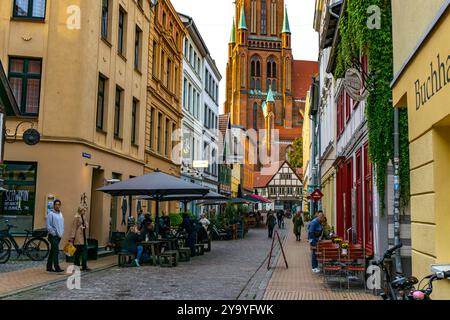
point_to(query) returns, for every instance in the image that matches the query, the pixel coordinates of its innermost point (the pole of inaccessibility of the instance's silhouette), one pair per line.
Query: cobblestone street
(224, 273)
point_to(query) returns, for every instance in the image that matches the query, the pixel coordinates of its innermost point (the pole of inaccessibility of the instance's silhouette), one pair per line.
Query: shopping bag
(70, 249)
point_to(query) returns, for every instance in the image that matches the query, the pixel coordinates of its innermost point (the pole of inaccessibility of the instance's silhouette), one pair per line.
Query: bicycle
(35, 247)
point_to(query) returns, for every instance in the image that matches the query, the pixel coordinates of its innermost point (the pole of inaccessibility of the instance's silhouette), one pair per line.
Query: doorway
(96, 207)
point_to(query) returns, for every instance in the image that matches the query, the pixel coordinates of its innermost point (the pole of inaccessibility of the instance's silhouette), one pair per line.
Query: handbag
(69, 249)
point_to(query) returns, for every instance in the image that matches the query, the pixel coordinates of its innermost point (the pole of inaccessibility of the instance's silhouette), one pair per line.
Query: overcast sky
(214, 17)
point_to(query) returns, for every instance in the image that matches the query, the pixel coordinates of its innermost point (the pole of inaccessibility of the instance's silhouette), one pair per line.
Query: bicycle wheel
(5, 251)
(37, 249)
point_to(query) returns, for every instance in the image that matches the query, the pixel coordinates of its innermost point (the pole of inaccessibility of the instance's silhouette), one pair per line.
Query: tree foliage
(296, 154)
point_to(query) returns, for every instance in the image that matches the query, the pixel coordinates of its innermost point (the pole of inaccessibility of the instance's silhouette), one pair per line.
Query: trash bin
(92, 249)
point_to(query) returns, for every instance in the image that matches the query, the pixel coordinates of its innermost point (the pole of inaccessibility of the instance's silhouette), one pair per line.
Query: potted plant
(344, 247)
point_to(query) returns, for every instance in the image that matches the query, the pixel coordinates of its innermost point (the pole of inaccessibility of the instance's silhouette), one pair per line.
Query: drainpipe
(398, 261)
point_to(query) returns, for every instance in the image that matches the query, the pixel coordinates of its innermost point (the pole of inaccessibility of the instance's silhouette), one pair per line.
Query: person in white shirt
(55, 228)
(204, 221)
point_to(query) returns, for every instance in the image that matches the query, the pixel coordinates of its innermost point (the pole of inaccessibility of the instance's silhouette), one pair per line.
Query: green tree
(296, 154)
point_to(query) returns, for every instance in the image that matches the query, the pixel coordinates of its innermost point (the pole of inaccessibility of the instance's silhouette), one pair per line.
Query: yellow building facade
(78, 70)
(163, 117)
(422, 84)
(306, 150)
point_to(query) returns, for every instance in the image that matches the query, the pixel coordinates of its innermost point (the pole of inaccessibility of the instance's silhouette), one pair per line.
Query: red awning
(259, 198)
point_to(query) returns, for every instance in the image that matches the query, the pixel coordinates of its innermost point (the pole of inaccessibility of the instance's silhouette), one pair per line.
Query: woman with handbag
(78, 238)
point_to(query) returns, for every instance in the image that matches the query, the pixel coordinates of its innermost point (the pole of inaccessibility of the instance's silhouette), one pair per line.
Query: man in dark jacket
(271, 222)
(315, 230)
(189, 227)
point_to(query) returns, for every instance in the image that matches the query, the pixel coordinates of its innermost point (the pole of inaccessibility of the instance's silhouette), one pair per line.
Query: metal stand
(271, 250)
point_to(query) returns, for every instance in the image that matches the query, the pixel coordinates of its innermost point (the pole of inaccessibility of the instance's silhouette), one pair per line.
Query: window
(137, 49)
(160, 138)
(134, 119)
(190, 98)
(197, 107)
(174, 128)
(167, 137)
(186, 48)
(161, 66)
(273, 18)
(263, 17)
(32, 9)
(101, 102)
(105, 18)
(164, 20)
(122, 33)
(168, 74)
(18, 201)
(271, 74)
(155, 48)
(255, 74)
(152, 128)
(253, 16)
(118, 113)
(348, 105)
(185, 94)
(25, 81)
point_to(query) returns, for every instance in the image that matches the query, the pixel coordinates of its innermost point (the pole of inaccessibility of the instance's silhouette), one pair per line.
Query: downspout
(398, 260)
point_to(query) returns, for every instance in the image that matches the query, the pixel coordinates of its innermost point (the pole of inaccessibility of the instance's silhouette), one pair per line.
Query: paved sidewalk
(26, 279)
(298, 282)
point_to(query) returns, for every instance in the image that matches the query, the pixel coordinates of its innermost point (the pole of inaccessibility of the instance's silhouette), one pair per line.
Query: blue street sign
(86, 155)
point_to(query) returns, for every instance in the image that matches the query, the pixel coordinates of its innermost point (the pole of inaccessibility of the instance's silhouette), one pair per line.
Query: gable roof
(303, 72)
(262, 181)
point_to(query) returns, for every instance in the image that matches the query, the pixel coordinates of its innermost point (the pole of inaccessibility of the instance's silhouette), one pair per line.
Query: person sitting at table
(147, 219)
(188, 226)
(132, 240)
(164, 225)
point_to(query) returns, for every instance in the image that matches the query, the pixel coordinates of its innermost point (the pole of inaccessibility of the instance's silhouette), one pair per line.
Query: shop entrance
(96, 207)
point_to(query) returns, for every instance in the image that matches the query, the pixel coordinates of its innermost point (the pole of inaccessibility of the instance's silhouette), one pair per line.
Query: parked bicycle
(34, 247)
(403, 288)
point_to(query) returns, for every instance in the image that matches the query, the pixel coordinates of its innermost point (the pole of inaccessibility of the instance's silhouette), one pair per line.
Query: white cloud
(214, 17)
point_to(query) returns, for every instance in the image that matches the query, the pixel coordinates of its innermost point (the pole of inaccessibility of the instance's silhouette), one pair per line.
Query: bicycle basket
(42, 233)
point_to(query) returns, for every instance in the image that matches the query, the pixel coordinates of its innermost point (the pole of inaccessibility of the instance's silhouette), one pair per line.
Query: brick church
(263, 81)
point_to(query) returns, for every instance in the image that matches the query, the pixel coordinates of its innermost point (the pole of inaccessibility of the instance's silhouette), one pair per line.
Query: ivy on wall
(357, 39)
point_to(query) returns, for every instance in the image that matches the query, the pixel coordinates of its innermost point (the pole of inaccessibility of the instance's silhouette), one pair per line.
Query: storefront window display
(17, 203)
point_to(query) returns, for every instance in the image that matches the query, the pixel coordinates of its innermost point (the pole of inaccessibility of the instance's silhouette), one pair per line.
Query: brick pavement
(298, 282)
(26, 279)
(219, 274)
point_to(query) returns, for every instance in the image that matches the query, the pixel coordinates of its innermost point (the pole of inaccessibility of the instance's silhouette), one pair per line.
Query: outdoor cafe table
(171, 243)
(155, 248)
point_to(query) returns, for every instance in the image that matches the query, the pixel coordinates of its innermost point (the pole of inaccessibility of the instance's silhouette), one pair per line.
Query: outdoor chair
(332, 265)
(319, 249)
(355, 265)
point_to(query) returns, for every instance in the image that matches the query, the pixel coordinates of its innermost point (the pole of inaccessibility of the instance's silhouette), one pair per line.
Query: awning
(257, 198)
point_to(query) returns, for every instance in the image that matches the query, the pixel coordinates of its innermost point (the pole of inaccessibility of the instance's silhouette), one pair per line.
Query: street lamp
(153, 3)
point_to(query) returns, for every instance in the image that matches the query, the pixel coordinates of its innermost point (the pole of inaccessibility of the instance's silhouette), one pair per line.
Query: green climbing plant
(357, 39)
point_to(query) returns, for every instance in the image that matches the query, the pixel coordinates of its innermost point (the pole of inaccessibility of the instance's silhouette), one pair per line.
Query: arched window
(271, 73)
(255, 73)
(273, 17)
(263, 17)
(255, 115)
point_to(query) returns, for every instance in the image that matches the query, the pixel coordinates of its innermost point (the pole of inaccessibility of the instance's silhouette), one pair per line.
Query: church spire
(233, 33)
(286, 27)
(242, 21)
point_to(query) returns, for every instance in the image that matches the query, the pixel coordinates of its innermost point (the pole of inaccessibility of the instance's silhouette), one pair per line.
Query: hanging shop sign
(354, 85)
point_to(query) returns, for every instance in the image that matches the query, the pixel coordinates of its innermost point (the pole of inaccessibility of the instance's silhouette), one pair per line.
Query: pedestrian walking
(315, 230)
(298, 224)
(280, 217)
(78, 238)
(55, 228)
(270, 223)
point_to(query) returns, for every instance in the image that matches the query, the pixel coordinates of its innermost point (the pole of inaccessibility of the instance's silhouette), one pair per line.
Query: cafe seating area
(342, 264)
(163, 252)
